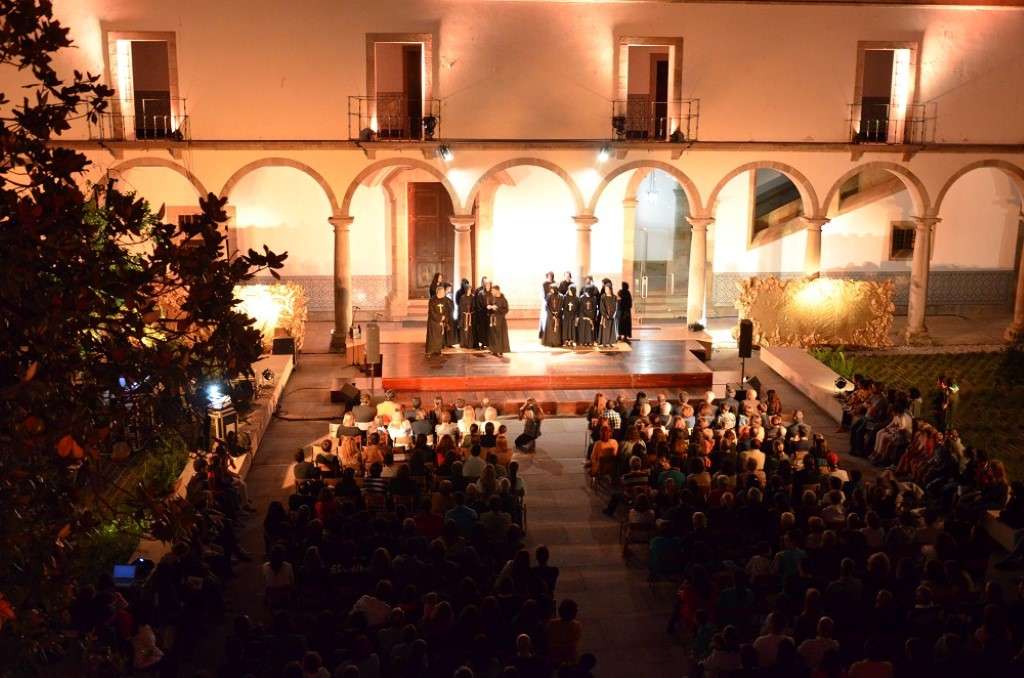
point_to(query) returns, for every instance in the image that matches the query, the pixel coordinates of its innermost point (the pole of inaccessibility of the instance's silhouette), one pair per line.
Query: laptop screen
(124, 572)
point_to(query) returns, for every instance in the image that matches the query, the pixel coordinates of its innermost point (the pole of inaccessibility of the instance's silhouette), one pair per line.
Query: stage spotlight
(445, 152)
(604, 153)
(841, 383)
(216, 398)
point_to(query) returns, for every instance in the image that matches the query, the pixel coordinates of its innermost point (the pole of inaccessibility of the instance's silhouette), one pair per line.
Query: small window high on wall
(143, 70)
(884, 108)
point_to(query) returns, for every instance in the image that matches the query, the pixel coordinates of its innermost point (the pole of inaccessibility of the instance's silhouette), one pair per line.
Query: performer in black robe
(497, 325)
(625, 313)
(589, 287)
(481, 299)
(587, 321)
(563, 286)
(435, 282)
(549, 280)
(553, 326)
(570, 314)
(464, 308)
(606, 325)
(439, 322)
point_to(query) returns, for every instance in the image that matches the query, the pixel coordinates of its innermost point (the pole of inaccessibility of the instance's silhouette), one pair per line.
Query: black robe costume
(564, 286)
(606, 328)
(587, 322)
(545, 291)
(481, 299)
(553, 326)
(497, 326)
(440, 333)
(570, 312)
(466, 326)
(625, 314)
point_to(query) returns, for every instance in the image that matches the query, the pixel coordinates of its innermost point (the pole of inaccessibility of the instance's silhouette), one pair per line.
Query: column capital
(341, 223)
(815, 223)
(630, 202)
(462, 222)
(584, 221)
(926, 222)
(700, 223)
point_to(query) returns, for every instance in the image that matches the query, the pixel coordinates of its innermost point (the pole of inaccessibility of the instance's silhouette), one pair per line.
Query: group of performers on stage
(592, 317)
(476, 318)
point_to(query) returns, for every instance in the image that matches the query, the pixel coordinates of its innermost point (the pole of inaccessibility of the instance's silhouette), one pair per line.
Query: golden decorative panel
(818, 311)
(278, 309)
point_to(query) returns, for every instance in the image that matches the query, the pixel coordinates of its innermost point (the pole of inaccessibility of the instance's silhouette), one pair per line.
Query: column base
(338, 342)
(918, 337)
(1014, 333)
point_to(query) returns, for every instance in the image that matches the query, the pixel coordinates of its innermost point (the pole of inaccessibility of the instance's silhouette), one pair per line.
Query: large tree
(110, 323)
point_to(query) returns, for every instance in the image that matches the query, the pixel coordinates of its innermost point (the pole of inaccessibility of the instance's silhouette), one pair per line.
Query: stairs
(659, 307)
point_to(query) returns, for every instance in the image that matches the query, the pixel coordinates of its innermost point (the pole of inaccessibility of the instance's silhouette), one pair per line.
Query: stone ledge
(807, 375)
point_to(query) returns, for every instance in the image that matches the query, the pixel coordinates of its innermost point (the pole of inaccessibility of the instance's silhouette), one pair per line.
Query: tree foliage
(110, 322)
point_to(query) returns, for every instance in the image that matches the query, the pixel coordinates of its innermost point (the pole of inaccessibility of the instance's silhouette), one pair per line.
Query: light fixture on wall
(604, 153)
(445, 152)
(651, 195)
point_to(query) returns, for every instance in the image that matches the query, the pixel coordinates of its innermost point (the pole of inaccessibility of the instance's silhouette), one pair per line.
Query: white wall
(159, 186)
(732, 232)
(859, 240)
(980, 221)
(258, 69)
(533, 233)
(287, 211)
(606, 236)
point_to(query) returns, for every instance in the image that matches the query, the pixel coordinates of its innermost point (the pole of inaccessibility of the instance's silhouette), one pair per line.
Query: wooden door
(431, 237)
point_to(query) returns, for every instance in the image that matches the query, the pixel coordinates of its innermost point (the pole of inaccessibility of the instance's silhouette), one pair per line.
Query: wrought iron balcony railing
(142, 119)
(393, 117)
(886, 123)
(641, 119)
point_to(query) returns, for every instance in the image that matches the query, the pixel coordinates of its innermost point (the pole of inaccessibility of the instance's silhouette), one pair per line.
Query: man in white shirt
(813, 650)
(767, 646)
(754, 453)
(474, 465)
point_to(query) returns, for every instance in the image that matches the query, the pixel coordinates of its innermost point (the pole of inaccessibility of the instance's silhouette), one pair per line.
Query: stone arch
(399, 163)
(1015, 173)
(690, 188)
(281, 162)
(918, 193)
(160, 162)
(533, 162)
(807, 194)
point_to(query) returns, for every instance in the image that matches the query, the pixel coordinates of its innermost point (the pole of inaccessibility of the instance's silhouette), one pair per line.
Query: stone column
(485, 232)
(342, 283)
(628, 238)
(917, 332)
(812, 257)
(463, 224)
(1015, 332)
(584, 222)
(695, 288)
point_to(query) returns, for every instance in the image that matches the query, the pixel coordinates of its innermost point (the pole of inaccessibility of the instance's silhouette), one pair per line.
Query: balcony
(142, 120)
(640, 119)
(886, 123)
(393, 117)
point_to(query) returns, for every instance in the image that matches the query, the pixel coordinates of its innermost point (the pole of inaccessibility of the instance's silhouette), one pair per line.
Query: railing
(393, 117)
(142, 119)
(640, 119)
(885, 123)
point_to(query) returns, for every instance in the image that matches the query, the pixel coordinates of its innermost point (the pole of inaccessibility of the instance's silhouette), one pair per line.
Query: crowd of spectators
(410, 565)
(791, 565)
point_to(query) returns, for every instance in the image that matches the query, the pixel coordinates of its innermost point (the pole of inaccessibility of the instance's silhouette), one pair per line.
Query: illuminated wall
(533, 233)
(557, 57)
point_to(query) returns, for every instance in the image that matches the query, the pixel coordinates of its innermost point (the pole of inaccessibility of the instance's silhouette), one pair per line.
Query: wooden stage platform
(651, 364)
